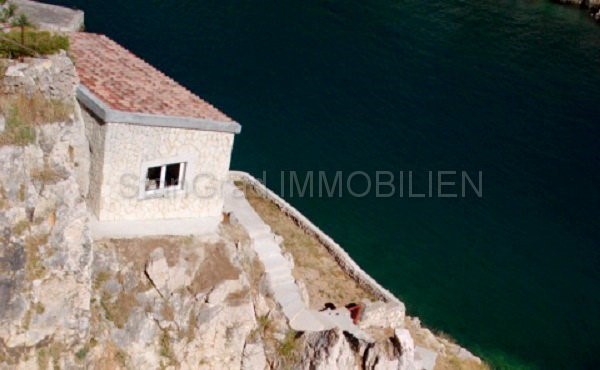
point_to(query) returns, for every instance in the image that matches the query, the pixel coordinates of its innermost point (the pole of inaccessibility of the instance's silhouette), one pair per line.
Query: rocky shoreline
(591, 6)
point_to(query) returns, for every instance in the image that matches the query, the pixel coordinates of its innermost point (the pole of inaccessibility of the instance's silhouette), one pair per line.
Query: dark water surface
(511, 88)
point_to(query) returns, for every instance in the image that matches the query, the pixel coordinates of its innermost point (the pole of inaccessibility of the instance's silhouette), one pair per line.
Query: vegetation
(34, 267)
(26, 41)
(82, 353)
(20, 227)
(16, 132)
(118, 310)
(287, 347)
(42, 359)
(23, 113)
(3, 198)
(166, 350)
(22, 21)
(29, 42)
(39, 308)
(8, 12)
(46, 175)
(101, 278)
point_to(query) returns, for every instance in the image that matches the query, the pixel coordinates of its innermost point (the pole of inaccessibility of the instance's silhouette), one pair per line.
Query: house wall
(128, 147)
(95, 131)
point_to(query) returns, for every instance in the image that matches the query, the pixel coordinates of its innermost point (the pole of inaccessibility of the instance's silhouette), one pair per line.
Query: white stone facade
(121, 154)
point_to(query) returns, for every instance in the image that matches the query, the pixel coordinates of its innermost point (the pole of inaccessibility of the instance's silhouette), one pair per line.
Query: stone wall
(95, 132)
(126, 147)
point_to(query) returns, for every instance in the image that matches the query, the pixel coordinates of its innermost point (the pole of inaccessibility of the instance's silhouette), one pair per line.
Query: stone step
(288, 298)
(283, 289)
(265, 238)
(292, 309)
(279, 279)
(276, 262)
(266, 248)
(306, 320)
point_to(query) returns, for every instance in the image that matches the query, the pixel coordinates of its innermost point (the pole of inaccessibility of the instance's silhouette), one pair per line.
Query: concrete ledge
(51, 17)
(135, 228)
(107, 114)
(337, 252)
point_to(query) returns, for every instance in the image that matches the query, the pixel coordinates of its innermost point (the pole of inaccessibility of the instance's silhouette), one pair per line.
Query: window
(159, 179)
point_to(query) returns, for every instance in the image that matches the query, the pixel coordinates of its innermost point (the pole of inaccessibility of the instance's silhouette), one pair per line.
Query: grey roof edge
(107, 114)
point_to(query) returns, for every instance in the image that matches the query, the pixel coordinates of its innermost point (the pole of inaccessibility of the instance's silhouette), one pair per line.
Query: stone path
(279, 272)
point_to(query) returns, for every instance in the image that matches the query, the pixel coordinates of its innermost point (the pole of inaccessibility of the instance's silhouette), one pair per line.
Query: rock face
(54, 77)
(339, 350)
(173, 301)
(46, 255)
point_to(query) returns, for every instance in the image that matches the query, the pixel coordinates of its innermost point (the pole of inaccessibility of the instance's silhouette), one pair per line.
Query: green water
(509, 88)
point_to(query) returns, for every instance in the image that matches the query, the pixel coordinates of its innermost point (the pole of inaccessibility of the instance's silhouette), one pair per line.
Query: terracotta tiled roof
(126, 83)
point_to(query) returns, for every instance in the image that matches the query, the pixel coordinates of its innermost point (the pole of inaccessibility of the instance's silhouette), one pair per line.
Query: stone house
(157, 150)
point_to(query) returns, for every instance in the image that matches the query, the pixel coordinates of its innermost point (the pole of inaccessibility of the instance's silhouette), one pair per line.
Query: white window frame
(162, 189)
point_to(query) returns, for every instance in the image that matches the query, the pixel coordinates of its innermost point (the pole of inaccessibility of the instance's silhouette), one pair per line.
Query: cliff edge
(196, 302)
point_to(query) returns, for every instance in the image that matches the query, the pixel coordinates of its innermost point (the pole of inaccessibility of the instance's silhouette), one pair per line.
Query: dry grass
(39, 308)
(118, 310)
(138, 250)
(166, 350)
(238, 297)
(324, 278)
(21, 195)
(46, 175)
(42, 359)
(23, 113)
(447, 360)
(3, 198)
(3, 66)
(20, 227)
(167, 312)
(101, 278)
(215, 268)
(112, 358)
(34, 267)
(50, 354)
(190, 333)
(453, 362)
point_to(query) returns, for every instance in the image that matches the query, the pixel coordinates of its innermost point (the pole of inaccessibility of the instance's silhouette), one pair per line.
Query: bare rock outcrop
(335, 349)
(178, 302)
(46, 256)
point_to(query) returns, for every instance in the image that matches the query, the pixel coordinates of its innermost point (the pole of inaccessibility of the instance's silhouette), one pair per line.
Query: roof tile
(127, 83)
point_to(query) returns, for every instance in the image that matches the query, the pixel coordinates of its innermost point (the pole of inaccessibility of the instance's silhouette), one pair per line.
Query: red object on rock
(356, 311)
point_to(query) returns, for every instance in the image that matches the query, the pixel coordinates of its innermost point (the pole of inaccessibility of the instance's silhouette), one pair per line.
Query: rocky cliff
(46, 251)
(67, 301)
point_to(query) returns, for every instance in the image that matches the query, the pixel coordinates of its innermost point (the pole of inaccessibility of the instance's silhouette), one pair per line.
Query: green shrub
(82, 353)
(40, 42)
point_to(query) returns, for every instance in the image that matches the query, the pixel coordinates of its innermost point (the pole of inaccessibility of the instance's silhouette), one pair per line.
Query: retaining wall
(336, 251)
